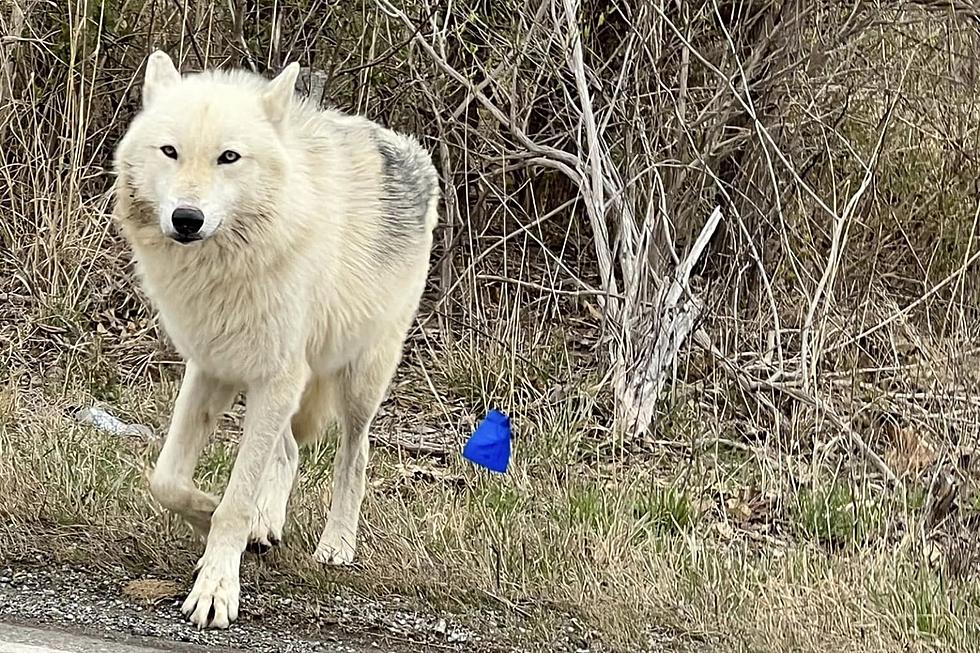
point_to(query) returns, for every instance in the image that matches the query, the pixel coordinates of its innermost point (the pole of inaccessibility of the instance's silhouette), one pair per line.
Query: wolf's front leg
(213, 601)
(201, 401)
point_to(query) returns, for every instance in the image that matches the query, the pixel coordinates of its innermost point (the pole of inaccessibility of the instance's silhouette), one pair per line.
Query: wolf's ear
(160, 73)
(279, 94)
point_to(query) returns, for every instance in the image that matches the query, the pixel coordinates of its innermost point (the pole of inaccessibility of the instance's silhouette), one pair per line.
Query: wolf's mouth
(186, 239)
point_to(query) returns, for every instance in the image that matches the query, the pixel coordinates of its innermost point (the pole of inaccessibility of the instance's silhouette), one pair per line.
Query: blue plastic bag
(489, 446)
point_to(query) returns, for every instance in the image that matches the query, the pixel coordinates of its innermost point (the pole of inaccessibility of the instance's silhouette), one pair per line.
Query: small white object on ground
(109, 423)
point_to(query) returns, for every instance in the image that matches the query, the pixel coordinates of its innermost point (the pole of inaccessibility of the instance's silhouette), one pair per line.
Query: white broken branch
(313, 84)
(641, 381)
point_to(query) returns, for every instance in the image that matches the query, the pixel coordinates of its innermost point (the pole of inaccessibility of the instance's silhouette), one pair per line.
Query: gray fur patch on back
(408, 184)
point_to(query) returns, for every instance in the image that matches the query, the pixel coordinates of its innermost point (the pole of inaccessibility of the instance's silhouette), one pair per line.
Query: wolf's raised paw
(265, 533)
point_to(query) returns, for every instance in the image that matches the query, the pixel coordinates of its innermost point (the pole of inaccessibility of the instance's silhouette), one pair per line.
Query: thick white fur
(300, 294)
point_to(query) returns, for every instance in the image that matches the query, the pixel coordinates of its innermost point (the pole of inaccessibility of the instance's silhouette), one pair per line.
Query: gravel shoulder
(18, 638)
(145, 612)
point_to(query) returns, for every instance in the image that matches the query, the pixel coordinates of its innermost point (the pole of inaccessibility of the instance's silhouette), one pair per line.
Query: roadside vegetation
(803, 475)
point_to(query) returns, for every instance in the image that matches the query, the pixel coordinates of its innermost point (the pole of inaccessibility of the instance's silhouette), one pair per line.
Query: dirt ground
(119, 607)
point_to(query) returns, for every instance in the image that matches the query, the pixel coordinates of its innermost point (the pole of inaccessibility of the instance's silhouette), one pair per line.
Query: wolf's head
(204, 158)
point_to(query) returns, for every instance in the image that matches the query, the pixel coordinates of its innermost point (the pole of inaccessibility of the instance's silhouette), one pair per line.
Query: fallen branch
(416, 443)
(744, 380)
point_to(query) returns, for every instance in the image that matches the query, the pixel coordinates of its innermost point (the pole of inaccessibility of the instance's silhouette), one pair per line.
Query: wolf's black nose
(187, 221)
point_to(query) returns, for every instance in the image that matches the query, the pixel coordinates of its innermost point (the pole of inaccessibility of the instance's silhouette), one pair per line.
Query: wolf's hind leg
(200, 402)
(362, 386)
(316, 409)
(273, 496)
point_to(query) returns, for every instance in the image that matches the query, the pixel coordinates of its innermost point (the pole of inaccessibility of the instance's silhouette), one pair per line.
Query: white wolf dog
(285, 249)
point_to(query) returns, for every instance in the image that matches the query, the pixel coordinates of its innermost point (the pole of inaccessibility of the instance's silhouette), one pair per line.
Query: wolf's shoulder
(400, 153)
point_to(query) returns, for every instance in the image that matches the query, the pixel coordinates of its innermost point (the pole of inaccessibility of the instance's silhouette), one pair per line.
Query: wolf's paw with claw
(264, 535)
(271, 505)
(213, 600)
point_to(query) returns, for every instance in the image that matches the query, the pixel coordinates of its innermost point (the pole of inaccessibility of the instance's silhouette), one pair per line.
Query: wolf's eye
(229, 156)
(169, 151)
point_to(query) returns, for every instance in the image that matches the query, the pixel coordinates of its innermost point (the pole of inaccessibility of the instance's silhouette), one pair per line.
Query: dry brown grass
(671, 549)
(757, 513)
